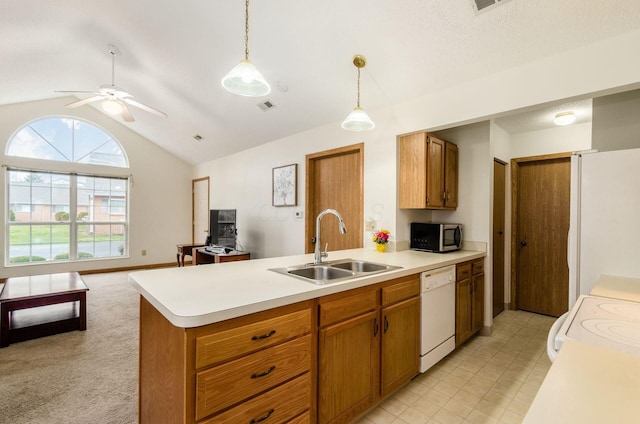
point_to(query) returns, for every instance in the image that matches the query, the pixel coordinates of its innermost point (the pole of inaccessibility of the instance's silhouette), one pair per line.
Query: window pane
(101, 240)
(66, 139)
(38, 243)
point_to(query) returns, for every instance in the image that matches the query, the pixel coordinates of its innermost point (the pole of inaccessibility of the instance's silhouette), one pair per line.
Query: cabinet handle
(263, 374)
(376, 327)
(264, 336)
(386, 324)
(262, 418)
(444, 196)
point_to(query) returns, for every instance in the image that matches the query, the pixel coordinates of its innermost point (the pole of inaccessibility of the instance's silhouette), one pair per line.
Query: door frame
(193, 203)
(505, 255)
(515, 168)
(309, 226)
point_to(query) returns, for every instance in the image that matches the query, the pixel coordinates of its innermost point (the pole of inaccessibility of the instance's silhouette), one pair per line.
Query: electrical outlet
(144, 252)
(370, 225)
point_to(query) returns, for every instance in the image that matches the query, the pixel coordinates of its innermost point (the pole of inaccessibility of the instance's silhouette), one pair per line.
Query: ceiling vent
(267, 105)
(481, 6)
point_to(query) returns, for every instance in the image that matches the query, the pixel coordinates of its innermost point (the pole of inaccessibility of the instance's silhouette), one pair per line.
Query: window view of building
(62, 216)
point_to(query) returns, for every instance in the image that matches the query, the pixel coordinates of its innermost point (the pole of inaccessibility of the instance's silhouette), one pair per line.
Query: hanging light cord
(113, 68)
(358, 103)
(246, 30)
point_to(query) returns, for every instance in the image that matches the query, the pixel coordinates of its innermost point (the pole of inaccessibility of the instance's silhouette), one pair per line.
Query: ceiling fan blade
(75, 91)
(126, 115)
(144, 107)
(85, 101)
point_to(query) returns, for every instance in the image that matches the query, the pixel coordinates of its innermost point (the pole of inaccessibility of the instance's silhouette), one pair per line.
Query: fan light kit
(245, 79)
(115, 99)
(564, 118)
(358, 120)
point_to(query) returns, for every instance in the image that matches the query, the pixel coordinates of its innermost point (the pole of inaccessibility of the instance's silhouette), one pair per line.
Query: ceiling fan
(115, 98)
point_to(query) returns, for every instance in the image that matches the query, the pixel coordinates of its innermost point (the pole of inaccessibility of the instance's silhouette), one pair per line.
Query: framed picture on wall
(285, 185)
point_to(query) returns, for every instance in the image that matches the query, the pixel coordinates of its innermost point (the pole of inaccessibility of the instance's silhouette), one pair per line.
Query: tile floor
(489, 380)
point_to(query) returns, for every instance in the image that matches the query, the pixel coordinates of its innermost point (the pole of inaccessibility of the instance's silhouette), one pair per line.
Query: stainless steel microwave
(435, 237)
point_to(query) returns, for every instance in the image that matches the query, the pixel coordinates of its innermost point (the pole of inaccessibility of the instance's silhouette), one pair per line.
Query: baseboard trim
(128, 268)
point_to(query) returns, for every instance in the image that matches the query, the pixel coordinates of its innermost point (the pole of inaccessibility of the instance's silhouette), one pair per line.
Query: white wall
(553, 140)
(615, 121)
(160, 211)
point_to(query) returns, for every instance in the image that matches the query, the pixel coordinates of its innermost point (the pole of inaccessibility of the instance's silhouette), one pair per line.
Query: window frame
(73, 170)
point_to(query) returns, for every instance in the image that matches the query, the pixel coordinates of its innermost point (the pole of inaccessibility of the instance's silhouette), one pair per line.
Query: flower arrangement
(381, 236)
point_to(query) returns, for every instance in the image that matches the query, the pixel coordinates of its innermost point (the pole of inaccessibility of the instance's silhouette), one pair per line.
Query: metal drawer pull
(265, 373)
(264, 336)
(259, 420)
(386, 324)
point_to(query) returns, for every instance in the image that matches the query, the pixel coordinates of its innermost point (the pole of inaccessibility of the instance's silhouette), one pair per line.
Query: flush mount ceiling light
(245, 79)
(358, 120)
(564, 118)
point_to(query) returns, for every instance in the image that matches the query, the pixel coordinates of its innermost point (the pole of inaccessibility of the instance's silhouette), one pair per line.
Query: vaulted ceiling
(174, 54)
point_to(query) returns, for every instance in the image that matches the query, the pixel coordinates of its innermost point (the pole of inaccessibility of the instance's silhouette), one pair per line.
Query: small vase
(381, 247)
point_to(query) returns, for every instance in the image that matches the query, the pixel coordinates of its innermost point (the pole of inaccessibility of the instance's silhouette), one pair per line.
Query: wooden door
(435, 172)
(400, 344)
(542, 189)
(199, 210)
(477, 302)
(335, 180)
(499, 181)
(451, 175)
(348, 368)
(412, 171)
(463, 310)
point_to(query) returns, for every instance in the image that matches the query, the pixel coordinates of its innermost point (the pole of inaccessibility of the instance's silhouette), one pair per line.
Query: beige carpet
(83, 376)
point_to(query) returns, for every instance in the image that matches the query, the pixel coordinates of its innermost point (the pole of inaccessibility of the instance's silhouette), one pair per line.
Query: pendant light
(358, 120)
(245, 79)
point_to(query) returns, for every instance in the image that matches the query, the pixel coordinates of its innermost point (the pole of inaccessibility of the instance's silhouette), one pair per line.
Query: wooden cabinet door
(451, 176)
(412, 171)
(348, 368)
(477, 306)
(400, 343)
(435, 173)
(463, 310)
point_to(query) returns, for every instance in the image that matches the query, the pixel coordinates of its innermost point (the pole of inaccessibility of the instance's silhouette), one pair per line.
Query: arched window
(55, 216)
(65, 139)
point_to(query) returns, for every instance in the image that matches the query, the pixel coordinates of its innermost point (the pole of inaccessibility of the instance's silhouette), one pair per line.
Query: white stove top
(610, 323)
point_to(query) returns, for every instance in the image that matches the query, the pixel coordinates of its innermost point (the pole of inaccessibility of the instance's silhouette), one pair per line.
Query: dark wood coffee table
(42, 305)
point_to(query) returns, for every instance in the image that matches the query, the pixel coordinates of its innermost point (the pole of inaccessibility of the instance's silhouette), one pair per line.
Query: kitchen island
(201, 328)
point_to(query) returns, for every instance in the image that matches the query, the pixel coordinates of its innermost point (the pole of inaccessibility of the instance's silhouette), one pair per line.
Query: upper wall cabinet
(428, 172)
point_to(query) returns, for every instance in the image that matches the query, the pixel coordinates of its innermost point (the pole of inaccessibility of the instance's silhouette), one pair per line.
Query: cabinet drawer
(404, 289)
(222, 386)
(348, 306)
(274, 407)
(477, 267)
(228, 344)
(463, 271)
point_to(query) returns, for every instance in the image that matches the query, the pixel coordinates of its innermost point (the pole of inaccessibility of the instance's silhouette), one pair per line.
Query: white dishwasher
(437, 315)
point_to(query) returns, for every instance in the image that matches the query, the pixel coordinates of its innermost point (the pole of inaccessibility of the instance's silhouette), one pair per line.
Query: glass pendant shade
(112, 107)
(358, 120)
(246, 80)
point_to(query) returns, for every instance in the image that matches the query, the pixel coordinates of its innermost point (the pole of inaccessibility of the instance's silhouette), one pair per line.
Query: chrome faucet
(318, 255)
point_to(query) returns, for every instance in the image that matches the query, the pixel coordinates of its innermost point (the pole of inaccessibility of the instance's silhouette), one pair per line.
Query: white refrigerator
(604, 233)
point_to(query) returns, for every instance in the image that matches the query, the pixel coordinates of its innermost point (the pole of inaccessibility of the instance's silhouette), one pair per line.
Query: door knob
(523, 243)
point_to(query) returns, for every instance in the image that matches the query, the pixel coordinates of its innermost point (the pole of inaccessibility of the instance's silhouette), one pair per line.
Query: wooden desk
(203, 257)
(37, 293)
(185, 250)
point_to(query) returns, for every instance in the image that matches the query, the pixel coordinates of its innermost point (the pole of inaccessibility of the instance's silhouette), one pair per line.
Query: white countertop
(200, 295)
(588, 384)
